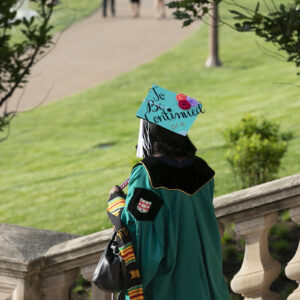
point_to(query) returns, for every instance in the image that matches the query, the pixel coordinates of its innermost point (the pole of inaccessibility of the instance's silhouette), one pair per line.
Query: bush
(256, 149)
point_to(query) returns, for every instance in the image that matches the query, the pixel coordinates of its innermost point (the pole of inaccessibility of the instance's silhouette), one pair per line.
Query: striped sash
(133, 283)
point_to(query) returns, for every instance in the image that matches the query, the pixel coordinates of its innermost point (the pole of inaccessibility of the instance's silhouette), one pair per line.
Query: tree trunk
(213, 56)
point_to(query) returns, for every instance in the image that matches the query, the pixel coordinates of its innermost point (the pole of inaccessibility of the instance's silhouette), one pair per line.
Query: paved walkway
(97, 49)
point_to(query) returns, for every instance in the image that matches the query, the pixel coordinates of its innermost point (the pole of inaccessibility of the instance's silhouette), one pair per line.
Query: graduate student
(167, 230)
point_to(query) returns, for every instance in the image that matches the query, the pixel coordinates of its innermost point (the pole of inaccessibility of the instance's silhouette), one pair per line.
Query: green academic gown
(170, 215)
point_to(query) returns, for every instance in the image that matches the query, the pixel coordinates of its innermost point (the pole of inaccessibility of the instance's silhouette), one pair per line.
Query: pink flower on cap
(184, 104)
(181, 96)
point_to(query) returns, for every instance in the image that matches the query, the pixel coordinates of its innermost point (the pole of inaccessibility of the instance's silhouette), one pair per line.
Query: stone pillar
(57, 286)
(259, 269)
(87, 273)
(292, 270)
(8, 290)
(18, 286)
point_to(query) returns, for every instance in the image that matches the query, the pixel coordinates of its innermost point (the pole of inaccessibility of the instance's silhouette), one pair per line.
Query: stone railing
(42, 265)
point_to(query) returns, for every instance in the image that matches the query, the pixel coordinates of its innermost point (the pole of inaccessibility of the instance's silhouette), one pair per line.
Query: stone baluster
(292, 270)
(87, 273)
(58, 286)
(259, 269)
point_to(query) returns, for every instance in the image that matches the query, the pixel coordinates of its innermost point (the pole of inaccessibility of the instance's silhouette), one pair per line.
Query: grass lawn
(66, 13)
(56, 175)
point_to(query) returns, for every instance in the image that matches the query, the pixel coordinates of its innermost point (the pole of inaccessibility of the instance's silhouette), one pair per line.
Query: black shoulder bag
(110, 272)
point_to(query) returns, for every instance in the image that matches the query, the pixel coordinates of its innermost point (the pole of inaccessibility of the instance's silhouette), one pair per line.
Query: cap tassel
(140, 144)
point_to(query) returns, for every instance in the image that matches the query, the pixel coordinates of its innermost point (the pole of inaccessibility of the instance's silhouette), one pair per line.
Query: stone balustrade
(39, 264)
(254, 211)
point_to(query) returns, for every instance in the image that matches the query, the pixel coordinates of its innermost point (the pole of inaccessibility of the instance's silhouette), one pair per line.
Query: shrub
(256, 149)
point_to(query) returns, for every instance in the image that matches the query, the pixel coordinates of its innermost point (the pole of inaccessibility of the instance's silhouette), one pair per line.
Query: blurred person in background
(159, 9)
(135, 8)
(112, 8)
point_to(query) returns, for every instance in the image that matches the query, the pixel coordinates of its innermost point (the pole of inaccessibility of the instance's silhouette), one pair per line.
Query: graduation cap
(175, 112)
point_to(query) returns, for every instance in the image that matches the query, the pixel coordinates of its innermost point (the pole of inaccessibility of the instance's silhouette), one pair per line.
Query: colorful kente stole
(133, 283)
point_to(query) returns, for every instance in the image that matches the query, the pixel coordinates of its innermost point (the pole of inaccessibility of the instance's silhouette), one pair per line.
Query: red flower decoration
(184, 104)
(181, 96)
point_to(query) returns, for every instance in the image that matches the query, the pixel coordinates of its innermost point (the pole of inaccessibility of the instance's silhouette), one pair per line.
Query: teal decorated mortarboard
(173, 111)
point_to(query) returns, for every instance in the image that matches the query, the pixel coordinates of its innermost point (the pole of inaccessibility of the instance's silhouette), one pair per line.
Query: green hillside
(60, 160)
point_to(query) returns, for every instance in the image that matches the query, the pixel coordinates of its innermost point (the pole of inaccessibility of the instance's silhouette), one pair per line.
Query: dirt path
(97, 49)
